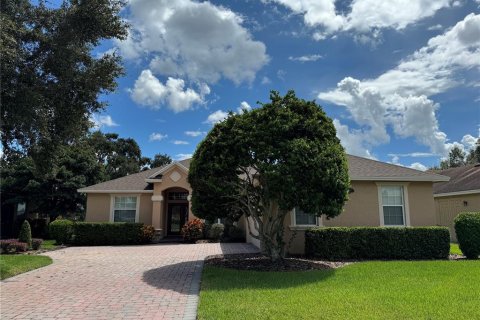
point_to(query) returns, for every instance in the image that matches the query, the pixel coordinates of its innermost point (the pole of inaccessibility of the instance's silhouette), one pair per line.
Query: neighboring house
(382, 195)
(461, 193)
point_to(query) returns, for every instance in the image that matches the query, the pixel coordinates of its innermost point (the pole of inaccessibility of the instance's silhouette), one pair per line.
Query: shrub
(206, 228)
(378, 243)
(61, 230)
(36, 243)
(6, 245)
(235, 233)
(216, 231)
(12, 246)
(25, 234)
(107, 233)
(193, 230)
(148, 232)
(467, 228)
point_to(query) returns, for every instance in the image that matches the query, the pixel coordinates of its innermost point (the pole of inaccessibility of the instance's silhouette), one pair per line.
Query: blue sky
(399, 78)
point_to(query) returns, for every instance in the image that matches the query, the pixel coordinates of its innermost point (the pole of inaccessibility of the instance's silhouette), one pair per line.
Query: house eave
(114, 191)
(456, 193)
(400, 178)
(168, 166)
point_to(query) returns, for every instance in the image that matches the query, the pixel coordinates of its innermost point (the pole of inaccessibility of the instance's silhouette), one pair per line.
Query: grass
(454, 249)
(49, 244)
(367, 290)
(11, 265)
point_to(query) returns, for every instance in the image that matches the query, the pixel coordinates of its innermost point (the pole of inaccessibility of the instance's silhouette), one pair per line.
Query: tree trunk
(271, 233)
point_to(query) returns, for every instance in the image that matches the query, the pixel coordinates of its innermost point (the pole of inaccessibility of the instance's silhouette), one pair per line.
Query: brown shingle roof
(358, 169)
(461, 179)
(366, 169)
(131, 182)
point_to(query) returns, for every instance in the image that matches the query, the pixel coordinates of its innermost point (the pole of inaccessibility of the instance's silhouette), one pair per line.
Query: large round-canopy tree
(265, 162)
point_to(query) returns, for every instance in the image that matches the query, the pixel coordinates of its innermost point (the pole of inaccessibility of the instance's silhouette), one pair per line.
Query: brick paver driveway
(128, 282)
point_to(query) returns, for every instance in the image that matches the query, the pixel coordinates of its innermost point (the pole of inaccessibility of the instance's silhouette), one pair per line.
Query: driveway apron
(121, 282)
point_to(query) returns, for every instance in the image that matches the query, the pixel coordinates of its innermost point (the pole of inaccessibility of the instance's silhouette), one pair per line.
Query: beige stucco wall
(150, 212)
(447, 208)
(99, 207)
(169, 181)
(362, 209)
(145, 214)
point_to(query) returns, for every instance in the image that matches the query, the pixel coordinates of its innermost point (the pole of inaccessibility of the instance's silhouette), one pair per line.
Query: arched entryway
(176, 209)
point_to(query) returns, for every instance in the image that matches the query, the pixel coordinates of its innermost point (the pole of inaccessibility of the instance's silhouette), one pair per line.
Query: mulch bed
(259, 262)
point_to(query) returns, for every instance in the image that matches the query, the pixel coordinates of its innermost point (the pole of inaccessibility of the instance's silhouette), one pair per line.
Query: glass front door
(177, 216)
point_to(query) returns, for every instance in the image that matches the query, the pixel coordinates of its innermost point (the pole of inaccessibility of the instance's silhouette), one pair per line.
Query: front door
(177, 216)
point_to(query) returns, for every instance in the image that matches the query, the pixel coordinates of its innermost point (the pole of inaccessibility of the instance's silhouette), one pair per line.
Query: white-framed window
(301, 218)
(124, 208)
(393, 205)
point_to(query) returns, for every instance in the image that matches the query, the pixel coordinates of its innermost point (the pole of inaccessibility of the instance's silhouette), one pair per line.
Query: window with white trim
(304, 219)
(393, 205)
(124, 208)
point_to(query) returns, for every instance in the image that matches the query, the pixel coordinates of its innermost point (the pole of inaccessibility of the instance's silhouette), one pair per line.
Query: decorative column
(157, 216)
(190, 214)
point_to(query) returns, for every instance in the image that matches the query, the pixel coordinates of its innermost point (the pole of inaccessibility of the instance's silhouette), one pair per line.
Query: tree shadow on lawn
(185, 277)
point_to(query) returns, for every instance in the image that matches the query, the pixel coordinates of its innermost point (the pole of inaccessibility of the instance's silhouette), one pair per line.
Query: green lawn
(454, 249)
(13, 264)
(49, 244)
(367, 290)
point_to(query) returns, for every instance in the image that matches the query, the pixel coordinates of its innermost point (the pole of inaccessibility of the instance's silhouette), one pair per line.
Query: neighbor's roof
(358, 169)
(463, 180)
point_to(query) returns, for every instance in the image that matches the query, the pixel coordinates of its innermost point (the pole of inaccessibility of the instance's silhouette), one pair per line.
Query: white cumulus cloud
(100, 121)
(183, 156)
(178, 142)
(364, 16)
(418, 166)
(194, 133)
(216, 117)
(149, 91)
(306, 58)
(197, 41)
(399, 98)
(244, 106)
(155, 136)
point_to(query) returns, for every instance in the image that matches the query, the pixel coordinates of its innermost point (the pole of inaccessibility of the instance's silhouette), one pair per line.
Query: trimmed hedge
(410, 243)
(107, 233)
(467, 228)
(13, 246)
(61, 231)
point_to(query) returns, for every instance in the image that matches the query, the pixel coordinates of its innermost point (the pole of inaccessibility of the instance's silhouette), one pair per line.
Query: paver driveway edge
(116, 282)
(194, 294)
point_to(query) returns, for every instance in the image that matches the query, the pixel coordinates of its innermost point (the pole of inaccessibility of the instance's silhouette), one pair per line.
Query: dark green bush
(25, 234)
(36, 243)
(107, 233)
(467, 228)
(410, 243)
(61, 231)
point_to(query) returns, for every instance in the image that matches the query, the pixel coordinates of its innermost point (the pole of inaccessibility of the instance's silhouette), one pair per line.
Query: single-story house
(382, 194)
(460, 194)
